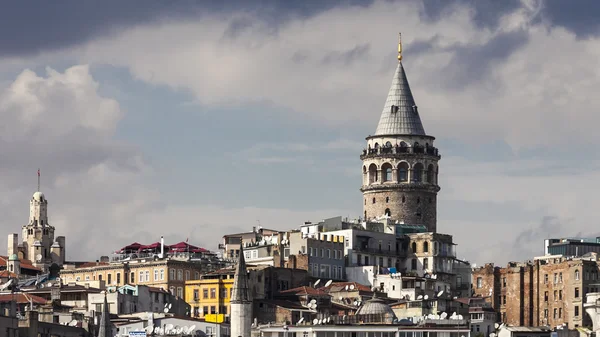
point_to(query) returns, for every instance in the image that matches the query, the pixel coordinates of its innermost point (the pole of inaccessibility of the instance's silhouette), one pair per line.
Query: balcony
(400, 151)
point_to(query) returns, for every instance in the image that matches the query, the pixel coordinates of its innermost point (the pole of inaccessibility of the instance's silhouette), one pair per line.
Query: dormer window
(415, 109)
(394, 109)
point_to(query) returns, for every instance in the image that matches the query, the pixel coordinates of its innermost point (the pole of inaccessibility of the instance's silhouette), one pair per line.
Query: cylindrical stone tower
(400, 163)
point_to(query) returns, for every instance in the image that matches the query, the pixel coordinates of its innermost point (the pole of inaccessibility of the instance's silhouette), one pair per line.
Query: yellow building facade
(210, 297)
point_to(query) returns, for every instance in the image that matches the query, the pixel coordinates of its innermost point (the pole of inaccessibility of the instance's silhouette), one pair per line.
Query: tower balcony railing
(391, 150)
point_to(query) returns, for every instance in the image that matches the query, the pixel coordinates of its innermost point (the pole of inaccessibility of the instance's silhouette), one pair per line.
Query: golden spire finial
(399, 47)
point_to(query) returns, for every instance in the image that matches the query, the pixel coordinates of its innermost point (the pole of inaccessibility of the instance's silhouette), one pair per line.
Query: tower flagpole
(38, 180)
(399, 47)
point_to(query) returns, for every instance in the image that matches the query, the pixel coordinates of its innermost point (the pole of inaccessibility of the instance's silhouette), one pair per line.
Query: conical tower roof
(240, 281)
(400, 115)
(104, 326)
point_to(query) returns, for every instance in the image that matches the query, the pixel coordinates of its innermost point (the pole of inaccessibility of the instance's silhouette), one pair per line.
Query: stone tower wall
(411, 207)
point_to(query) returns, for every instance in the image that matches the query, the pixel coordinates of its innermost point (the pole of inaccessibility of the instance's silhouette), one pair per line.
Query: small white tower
(241, 304)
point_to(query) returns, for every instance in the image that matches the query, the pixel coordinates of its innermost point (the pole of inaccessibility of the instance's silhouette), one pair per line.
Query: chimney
(162, 247)
(253, 229)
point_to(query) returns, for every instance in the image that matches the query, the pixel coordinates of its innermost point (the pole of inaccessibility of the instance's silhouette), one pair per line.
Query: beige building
(38, 245)
(169, 274)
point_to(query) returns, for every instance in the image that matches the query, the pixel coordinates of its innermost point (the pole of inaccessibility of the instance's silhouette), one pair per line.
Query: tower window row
(403, 173)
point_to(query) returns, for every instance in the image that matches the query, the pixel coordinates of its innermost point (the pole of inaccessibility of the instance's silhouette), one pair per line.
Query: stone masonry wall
(404, 206)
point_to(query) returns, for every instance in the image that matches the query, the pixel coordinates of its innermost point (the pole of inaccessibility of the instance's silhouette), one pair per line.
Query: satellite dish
(496, 325)
(320, 321)
(166, 305)
(166, 310)
(355, 302)
(420, 297)
(460, 317)
(149, 329)
(41, 285)
(444, 315)
(440, 293)
(315, 321)
(313, 301)
(328, 283)
(49, 284)
(170, 305)
(347, 286)
(426, 297)
(328, 319)
(352, 287)
(300, 320)
(317, 282)
(38, 258)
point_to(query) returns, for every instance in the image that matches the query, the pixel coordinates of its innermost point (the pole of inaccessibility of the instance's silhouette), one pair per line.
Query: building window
(162, 274)
(196, 275)
(310, 252)
(155, 274)
(109, 279)
(204, 293)
(387, 199)
(213, 309)
(479, 283)
(545, 278)
(413, 264)
(555, 278)
(403, 172)
(373, 200)
(555, 313)
(560, 295)
(205, 310)
(559, 312)
(141, 276)
(504, 282)
(180, 292)
(118, 278)
(329, 253)
(187, 275)
(545, 296)
(560, 277)
(577, 274)
(213, 293)
(425, 247)
(555, 296)
(196, 294)
(576, 292)
(323, 252)
(425, 264)
(172, 274)
(223, 292)
(179, 274)
(413, 246)
(576, 311)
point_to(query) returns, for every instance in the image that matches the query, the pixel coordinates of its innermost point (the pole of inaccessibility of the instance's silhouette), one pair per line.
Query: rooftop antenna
(38, 189)
(399, 47)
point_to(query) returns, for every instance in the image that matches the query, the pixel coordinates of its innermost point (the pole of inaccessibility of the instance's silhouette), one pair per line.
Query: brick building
(548, 291)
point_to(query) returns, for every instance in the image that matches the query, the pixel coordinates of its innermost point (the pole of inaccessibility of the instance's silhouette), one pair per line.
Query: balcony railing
(432, 151)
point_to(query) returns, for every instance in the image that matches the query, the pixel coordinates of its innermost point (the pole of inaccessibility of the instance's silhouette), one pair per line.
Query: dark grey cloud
(29, 27)
(580, 17)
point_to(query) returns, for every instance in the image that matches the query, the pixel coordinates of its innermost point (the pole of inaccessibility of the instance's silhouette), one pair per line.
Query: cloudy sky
(152, 118)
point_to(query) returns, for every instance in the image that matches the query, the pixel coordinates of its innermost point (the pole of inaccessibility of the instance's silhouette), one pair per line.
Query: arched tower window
(430, 173)
(403, 172)
(403, 199)
(388, 212)
(388, 144)
(417, 173)
(386, 172)
(413, 264)
(413, 246)
(372, 173)
(373, 200)
(365, 215)
(577, 274)
(387, 199)
(425, 247)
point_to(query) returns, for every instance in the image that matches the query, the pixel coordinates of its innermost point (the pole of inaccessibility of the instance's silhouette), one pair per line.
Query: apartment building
(548, 291)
